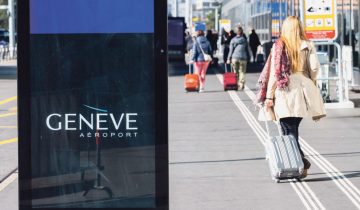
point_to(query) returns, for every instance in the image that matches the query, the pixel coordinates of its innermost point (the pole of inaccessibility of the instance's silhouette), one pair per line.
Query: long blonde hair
(292, 33)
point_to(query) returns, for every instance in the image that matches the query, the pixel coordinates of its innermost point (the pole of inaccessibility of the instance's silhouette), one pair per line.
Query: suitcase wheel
(277, 180)
(191, 90)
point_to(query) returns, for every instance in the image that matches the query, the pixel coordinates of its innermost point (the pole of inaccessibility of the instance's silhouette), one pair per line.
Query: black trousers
(254, 52)
(290, 126)
(226, 50)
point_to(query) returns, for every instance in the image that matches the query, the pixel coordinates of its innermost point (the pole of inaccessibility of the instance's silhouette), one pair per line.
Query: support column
(217, 18)
(12, 17)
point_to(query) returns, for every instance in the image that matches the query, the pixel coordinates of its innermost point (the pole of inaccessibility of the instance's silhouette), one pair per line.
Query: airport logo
(101, 123)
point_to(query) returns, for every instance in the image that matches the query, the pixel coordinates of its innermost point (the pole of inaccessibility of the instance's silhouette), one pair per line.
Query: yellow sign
(320, 19)
(275, 29)
(225, 24)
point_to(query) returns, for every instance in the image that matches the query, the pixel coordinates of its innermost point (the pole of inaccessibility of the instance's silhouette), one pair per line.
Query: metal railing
(339, 76)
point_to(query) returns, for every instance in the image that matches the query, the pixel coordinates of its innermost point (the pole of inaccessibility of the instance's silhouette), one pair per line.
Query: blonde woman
(288, 81)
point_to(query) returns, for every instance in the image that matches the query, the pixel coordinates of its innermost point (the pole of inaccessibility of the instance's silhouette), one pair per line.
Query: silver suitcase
(283, 156)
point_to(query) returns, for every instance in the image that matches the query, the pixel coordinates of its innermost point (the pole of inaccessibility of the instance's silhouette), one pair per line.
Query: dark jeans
(226, 50)
(290, 126)
(254, 52)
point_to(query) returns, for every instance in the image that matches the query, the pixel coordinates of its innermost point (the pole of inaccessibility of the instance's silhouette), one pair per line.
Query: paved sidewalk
(8, 130)
(217, 159)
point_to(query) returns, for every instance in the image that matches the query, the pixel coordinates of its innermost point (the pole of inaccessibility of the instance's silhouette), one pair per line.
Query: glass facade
(267, 17)
(231, 10)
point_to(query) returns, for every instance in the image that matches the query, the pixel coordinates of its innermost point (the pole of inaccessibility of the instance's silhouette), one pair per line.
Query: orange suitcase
(192, 82)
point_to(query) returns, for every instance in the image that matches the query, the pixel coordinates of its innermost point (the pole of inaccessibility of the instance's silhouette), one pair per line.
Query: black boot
(307, 163)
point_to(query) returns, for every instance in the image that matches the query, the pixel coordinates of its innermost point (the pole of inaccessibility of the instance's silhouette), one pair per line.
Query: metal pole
(190, 13)
(351, 24)
(342, 24)
(187, 13)
(176, 8)
(217, 18)
(351, 41)
(11, 9)
(280, 13)
(359, 39)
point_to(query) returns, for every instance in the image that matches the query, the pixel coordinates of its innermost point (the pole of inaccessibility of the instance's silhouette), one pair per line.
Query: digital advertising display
(93, 104)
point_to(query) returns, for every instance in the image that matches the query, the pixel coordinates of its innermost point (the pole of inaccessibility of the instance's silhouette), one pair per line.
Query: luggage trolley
(323, 76)
(333, 73)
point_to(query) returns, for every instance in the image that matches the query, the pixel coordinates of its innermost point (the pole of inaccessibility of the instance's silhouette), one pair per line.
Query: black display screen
(92, 96)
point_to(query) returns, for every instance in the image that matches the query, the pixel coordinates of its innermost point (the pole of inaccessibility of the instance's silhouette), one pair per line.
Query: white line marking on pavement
(260, 132)
(336, 179)
(306, 194)
(330, 166)
(343, 183)
(8, 181)
(313, 194)
(300, 195)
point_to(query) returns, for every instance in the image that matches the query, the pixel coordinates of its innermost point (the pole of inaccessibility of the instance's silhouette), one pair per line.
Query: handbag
(207, 57)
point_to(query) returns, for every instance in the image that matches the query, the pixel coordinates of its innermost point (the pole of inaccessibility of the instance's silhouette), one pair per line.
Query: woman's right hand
(268, 104)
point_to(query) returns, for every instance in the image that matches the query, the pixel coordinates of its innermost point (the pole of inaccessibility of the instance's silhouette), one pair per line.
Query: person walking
(225, 43)
(189, 41)
(210, 37)
(201, 50)
(238, 56)
(254, 43)
(288, 82)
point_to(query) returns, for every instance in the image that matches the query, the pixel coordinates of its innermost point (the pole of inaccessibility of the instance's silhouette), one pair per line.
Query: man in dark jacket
(238, 56)
(225, 42)
(189, 40)
(254, 43)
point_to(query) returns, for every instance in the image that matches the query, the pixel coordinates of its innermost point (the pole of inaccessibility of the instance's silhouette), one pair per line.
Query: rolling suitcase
(283, 155)
(192, 82)
(230, 80)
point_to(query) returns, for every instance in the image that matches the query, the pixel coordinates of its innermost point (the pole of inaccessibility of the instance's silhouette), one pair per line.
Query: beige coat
(302, 98)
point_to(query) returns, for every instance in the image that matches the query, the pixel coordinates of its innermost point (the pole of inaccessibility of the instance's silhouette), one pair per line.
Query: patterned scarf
(282, 71)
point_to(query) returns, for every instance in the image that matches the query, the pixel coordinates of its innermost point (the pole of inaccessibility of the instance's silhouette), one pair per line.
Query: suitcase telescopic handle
(226, 67)
(190, 61)
(190, 67)
(267, 124)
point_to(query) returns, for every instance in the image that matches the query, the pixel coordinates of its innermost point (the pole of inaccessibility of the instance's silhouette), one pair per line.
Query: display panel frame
(161, 107)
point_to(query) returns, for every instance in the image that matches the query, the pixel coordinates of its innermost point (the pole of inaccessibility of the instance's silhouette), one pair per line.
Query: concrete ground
(217, 154)
(8, 135)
